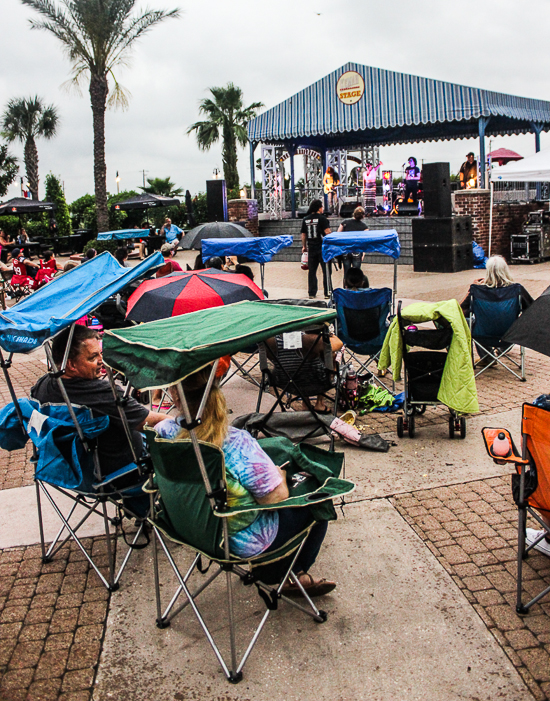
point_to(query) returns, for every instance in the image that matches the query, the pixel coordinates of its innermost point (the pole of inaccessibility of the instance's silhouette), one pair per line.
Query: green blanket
(458, 386)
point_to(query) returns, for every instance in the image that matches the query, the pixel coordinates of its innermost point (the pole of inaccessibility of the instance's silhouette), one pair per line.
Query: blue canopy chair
(65, 452)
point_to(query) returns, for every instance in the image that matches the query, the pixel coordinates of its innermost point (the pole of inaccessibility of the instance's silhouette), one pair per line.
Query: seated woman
(252, 477)
(48, 268)
(497, 274)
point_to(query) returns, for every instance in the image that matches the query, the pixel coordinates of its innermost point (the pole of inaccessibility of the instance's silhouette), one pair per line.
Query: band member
(412, 176)
(369, 187)
(468, 173)
(330, 183)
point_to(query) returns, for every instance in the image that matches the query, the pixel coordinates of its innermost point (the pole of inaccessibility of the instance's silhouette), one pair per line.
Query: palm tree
(24, 120)
(97, 36)
(228, 116)
(162, 186)
(8, 169)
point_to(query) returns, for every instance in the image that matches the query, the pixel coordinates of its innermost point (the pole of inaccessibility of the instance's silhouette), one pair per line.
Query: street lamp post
(117, 183)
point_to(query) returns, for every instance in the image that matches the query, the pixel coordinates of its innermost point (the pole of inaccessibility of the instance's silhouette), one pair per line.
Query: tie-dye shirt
(251, 475)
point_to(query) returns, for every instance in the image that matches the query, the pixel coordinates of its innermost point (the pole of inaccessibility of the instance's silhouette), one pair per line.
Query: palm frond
(207, 134)
(119, 96)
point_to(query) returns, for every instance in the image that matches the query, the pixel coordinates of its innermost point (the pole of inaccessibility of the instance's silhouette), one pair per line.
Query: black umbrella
(532, 328)
(21, 205)
(213, 230)
(146, 201)
(189, 205)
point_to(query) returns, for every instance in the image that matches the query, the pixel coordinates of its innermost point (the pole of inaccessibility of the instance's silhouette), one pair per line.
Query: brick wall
(508, 218)
(245, 212)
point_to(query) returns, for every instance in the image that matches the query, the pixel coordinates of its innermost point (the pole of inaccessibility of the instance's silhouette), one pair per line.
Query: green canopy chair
(189, 489)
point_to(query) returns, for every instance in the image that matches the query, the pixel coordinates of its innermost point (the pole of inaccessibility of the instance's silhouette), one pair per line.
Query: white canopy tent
(533, 169)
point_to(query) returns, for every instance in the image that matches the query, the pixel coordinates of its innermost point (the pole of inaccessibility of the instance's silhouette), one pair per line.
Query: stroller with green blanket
(437, 361)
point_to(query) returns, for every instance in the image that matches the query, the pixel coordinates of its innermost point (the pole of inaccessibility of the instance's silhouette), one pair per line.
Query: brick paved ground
(472, 530)
(52, 622)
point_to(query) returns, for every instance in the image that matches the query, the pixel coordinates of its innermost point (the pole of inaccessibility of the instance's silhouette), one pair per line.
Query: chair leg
(113, 586)
(522, 354)
(522, 519)
(40, 523)
(160, 622)
(234, 676)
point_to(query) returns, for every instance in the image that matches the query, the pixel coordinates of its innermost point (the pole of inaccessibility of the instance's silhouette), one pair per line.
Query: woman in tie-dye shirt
(252, 477)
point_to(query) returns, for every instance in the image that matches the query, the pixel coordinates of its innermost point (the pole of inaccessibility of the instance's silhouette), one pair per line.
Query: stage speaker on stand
(436, 188)
(216, 200)
(347, 208)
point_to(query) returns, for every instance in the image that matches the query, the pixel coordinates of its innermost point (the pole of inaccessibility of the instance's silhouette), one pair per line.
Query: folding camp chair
(492, 311)
(531, 484)
(192, 510)
(362, 323)
(244, 367)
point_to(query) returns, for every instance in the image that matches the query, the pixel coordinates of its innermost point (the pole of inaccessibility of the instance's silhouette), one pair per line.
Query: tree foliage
(8, 169)
(162, 186)
(25, 120)
(226, 117)
(97, 36)
(54, 193)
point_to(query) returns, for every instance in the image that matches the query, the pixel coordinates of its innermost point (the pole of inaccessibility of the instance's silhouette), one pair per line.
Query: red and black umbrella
(180, 293)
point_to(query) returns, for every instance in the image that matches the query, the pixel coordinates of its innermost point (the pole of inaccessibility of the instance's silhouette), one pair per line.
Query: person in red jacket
(21, 275)
(48, 268)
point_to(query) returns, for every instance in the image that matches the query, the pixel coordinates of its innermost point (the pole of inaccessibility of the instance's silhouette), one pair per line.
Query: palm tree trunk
(98, 95)
(229, 158)
(31, 166)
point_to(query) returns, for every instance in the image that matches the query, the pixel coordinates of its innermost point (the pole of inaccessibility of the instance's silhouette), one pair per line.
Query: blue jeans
(292, 522)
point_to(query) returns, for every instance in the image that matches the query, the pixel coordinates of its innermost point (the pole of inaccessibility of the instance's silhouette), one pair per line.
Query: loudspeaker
(436, 189)
(442, 245)
(443, 259)
(348, 208)
(407, 210)
(446, 231)
(216, 200)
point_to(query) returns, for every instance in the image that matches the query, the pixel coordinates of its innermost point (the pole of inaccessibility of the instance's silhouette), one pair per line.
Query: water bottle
(501, 446)
(351, 379)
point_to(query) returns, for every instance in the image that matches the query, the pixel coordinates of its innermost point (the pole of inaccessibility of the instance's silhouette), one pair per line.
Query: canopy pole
(324, 167)
(252, 171)
(394, 286)
(492, 186)
(537, 128)
(482, 124)
(292, 151)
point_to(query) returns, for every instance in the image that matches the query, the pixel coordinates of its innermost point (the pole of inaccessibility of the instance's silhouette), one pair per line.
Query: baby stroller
(423, 373)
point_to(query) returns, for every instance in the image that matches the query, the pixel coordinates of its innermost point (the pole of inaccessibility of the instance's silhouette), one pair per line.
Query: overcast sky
(271, 51)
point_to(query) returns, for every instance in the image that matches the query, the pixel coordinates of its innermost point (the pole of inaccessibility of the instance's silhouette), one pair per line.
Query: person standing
(412, 176)
(369, 187)
(315, 227)
(330, 183)
(353, 260)
(468, 173)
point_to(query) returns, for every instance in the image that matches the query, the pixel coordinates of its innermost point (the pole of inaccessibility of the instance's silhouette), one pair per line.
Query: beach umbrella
(213, 230)
(503, 156)
(532, 328)
(181, 293)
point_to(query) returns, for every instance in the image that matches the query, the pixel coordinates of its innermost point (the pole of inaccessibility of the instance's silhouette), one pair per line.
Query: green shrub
(108, 245)
(54, 193)
(10, 225)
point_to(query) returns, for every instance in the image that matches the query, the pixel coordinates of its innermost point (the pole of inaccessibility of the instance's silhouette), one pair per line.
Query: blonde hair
(497, 272)
(214, 426)
(358, 213)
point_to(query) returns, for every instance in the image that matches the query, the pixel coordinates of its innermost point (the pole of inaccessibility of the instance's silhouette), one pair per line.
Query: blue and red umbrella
(181, 293)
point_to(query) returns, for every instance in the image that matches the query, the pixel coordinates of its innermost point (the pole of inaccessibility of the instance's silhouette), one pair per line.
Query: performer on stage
(369, 187)
(412, 176)
(468, 173)
(330, 183)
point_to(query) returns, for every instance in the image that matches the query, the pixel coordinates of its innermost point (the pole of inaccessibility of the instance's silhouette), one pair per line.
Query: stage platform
(403, 226)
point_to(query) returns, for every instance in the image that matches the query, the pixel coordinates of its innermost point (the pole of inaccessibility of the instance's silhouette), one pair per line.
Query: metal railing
(520, 192)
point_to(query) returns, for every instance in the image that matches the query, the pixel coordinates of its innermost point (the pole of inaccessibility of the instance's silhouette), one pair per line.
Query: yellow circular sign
(350, 87)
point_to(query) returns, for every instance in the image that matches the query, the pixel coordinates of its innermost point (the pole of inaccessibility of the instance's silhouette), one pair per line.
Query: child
(48, 268)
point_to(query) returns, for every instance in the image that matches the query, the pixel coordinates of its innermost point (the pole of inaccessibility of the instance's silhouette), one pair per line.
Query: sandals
(313, 587)
(162, 408)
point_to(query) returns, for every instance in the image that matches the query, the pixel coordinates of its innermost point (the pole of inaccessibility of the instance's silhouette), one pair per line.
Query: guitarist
(330, 183)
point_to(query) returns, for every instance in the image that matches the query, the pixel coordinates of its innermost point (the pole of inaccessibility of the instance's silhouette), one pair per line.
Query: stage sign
(350, 87)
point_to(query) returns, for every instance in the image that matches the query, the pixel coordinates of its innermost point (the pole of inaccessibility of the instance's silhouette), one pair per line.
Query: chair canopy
(494, 309)
(260, 249)
(64, 300)
(123, 234)
(362, 317)
(161, 353)
(384, 241)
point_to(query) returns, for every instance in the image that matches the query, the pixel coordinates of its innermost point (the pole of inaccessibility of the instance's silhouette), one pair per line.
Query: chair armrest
(489, 437)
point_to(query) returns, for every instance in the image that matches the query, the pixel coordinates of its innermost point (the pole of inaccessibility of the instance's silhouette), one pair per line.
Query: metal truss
(338, 159)
(272, 182)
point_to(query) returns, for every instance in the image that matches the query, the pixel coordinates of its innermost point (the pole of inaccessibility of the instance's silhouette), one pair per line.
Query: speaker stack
(441, 243)
(348, 206)
(216, 200)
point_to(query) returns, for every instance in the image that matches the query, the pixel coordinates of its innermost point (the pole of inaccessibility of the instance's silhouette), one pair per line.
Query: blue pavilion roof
(395, 108)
